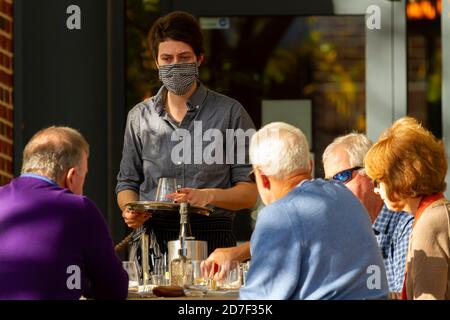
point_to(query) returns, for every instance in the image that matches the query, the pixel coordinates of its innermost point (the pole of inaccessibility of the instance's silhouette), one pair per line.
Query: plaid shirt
(392, 231)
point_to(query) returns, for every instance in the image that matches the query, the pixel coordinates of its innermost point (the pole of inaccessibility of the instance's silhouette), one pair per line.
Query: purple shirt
(55, 245)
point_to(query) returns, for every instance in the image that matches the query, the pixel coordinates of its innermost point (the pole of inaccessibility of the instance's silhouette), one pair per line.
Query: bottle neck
(185, 226)
(185, 231)
(182, 253)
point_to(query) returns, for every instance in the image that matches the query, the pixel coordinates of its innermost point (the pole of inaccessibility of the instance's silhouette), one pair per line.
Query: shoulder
(324, 189)
(82, 207)
(276, 213)
(404, 221)
(398, 220)
(142, 106)
(224, 100)
(149, 105)
(434, 216)
(307, 197)
(277, 219)
(433, 222)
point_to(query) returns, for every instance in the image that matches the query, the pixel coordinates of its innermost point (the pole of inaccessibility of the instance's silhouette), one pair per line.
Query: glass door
(329, 67)
(329, 73)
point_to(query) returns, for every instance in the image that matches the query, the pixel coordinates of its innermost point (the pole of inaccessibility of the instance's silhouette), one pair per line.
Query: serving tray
(151, 206)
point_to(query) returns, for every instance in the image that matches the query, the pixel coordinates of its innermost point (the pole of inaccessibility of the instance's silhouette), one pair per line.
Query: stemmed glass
(165, 186)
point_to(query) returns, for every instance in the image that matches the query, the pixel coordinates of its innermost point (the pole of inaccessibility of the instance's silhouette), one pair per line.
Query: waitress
(184, 132)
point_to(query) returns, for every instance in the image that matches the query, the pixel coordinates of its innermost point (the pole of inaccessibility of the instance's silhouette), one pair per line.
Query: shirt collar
(37, 176)
(194, 102)
(197, 98)
(381, 223)
(159, 101)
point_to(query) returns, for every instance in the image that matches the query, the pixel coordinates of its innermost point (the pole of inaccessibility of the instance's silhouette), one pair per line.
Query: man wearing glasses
(343, 161)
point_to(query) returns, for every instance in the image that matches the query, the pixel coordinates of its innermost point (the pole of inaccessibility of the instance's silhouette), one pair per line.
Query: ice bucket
(196, 249)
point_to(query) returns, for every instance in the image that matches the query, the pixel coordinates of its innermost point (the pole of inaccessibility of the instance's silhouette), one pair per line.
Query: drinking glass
(231, 275)
(165, 186)
(158, 279)
(244, 268)
(133, 275)
(197, 276)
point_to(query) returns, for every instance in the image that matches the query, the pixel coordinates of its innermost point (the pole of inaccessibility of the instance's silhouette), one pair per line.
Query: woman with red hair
(408, 167)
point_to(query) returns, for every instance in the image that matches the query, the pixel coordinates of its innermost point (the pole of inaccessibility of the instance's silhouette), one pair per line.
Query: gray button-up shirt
(206, 150)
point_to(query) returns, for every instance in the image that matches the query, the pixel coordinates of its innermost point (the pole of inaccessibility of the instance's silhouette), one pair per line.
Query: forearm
(126, 196)
(243, 252)
(242, 196)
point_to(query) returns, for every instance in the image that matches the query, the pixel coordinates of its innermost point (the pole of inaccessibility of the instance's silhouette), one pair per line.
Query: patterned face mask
(178, 78)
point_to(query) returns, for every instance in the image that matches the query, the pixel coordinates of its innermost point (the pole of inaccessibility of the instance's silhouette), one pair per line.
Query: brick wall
(6, 91)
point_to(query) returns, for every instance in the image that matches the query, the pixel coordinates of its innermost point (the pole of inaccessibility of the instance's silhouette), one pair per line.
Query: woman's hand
(135, 219)
(195, 197)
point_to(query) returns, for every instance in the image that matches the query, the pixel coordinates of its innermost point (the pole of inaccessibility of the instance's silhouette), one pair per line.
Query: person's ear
(70, 178)
(311, 166)
(200, 59)
(265, 182)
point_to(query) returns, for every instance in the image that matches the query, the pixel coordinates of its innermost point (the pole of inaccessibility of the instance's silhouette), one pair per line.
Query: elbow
(251, 201)
(252, 196)
(249, 198)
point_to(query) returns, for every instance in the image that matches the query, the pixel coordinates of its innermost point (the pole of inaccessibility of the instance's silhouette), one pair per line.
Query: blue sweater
(316, 242)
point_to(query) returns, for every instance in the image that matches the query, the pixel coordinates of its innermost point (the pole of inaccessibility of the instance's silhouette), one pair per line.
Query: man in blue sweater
(54, 242)
(314, 239)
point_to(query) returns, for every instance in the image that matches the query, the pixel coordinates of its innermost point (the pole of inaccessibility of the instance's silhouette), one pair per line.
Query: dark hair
(178, 26)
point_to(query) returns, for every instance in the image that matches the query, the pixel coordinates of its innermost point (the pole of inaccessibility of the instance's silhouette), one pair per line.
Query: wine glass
(165, 186)
(133, 276)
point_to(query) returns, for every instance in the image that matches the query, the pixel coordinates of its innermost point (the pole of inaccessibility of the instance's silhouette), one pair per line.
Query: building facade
(6, 91)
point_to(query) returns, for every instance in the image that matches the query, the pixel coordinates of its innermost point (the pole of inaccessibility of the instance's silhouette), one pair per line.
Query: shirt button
(196, 107)
(180, 139)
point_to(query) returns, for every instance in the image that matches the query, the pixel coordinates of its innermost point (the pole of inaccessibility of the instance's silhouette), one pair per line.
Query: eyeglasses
(345, 176)
(251, 176)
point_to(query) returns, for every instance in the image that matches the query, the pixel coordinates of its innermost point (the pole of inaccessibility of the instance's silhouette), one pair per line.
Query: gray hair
(53, 151)
(355, 144)
(280, 150)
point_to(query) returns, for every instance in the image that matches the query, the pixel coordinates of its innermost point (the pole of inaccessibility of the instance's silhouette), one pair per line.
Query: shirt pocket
(209, 175)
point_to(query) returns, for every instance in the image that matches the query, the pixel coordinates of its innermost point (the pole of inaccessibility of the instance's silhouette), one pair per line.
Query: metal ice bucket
(196, 249)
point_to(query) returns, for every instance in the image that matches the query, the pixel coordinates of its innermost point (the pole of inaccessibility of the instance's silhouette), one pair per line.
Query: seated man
(313, 240)
(54, 242)
(343, 160)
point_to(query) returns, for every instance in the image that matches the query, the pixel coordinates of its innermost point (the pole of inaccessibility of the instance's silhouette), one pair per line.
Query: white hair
(355, 144)
(280, 149)
(53, 151)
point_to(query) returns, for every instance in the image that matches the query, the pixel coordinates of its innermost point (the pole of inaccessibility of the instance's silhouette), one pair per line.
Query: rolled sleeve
(131, 174)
